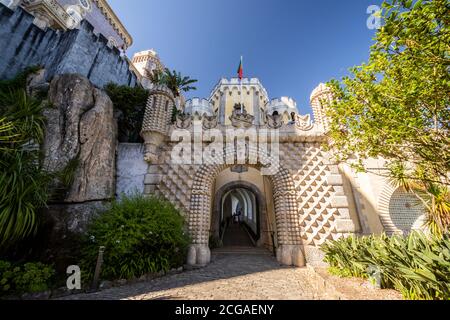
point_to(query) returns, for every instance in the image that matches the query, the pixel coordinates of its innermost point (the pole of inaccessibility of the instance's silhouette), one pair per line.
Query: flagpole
(242, 103)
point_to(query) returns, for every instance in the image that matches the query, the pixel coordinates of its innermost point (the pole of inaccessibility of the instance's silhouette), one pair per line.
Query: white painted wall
(131, 168)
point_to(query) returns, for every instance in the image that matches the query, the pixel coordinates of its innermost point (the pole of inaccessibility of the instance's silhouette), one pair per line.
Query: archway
(289, 251)
(252, 203)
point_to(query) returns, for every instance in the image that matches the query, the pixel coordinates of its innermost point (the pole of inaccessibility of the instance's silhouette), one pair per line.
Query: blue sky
(290, 45)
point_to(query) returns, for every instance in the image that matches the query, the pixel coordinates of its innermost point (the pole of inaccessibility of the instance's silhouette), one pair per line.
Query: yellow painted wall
(264, 184)
(253, 176)
(233, 97)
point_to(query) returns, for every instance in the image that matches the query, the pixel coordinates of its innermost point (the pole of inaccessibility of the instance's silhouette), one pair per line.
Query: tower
(145, 63)
(320, 97)
(229, 92)
(157, 121)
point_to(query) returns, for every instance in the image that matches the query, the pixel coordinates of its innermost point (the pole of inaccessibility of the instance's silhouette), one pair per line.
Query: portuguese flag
(241, 69)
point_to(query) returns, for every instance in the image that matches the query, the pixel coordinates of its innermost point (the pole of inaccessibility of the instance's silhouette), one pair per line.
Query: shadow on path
(226, 265)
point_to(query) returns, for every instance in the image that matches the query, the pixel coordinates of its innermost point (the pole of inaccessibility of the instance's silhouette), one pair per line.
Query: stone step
(242, 250)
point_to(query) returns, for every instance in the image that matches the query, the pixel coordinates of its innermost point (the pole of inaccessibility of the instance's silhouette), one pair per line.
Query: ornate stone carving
(157, 121)
(183, 121)
(210, 122)
(240, 118)
(304, 123)
(274, 121)
(49, 13)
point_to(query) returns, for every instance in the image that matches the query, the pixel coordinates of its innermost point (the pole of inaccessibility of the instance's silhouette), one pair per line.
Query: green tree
(156, 76)
(396, 105)
(173, 80)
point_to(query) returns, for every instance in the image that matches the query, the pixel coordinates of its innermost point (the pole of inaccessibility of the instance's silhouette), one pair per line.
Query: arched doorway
(238, 214)
(238, 219)
(289, 250)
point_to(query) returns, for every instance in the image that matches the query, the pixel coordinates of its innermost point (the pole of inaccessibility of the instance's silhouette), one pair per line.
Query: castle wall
(98, 20)
(131, 169)
(324, 200)
(78, 51)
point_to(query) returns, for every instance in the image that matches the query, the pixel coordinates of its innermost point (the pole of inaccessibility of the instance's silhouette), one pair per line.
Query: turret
(229, 92)
(199, 107)
(285, 107)
(157, 121)
(145, 62)
(320, 97)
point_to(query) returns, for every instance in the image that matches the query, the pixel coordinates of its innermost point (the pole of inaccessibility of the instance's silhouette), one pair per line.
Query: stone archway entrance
(289, 251)
(245, 229)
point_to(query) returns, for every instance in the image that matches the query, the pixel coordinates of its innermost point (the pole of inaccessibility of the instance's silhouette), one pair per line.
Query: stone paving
(232, 276)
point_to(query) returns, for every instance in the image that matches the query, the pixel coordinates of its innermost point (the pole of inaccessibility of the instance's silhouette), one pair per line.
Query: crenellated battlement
(320, 94)
(199, 106)
(282, 104)
(80, 51)
(319, 91)
(235, 84)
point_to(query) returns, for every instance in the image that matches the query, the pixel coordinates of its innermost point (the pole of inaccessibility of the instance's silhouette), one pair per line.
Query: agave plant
(418, 265)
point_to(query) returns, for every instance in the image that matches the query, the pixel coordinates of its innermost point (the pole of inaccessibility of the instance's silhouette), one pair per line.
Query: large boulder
(81, 128)
(81, 141)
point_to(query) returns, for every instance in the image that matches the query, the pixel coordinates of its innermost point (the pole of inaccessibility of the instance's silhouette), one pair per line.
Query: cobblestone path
(229, 277)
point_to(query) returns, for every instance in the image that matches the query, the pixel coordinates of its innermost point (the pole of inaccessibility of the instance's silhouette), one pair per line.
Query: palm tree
(156, 77)
(176, 82)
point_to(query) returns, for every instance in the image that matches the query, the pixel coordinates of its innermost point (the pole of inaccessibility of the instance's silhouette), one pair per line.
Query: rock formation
(81, 129)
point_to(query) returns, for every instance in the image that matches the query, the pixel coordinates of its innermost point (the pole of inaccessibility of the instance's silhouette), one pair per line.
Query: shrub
(26, 278)
(418, 265)
(130, 104)
(6, 277)
(23, 182)
(142, 235)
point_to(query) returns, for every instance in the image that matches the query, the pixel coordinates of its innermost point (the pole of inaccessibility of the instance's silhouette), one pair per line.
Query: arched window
(275, 113)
